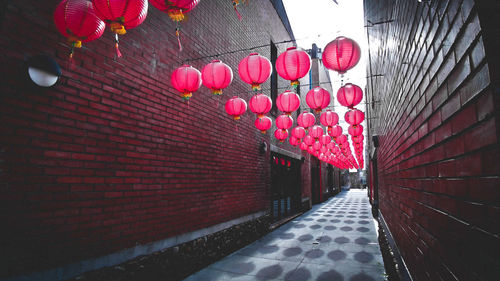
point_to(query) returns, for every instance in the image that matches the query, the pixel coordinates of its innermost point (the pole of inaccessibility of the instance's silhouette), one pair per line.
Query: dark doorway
(285, 186)
(315, 183)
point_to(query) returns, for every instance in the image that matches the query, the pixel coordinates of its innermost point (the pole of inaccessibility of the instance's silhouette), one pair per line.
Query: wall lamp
(43, 70)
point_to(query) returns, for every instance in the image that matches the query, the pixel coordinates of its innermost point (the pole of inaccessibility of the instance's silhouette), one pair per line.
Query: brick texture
(436, 118)
(111, 157)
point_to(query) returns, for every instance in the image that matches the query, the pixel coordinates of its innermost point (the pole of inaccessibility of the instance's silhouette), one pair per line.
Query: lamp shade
(186, 79)
(216, 76)
(287, 102)
(293, 64)
(235, 107)
(318, 98)
(260, 104)
(263, 123)
(349, 95)
(43, 70)
(254, 70)
(306, 120)
(341, 54)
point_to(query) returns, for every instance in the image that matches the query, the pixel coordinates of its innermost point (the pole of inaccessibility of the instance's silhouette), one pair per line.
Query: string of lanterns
(82, 21)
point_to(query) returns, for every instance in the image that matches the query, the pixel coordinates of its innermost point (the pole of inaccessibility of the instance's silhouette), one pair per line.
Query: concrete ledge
(75, 269)
(405, 274)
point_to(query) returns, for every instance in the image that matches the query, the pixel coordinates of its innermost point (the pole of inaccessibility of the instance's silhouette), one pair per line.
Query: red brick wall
(438, 160)
(111, 157)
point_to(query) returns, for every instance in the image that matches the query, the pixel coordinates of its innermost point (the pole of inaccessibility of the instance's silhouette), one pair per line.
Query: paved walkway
(334, 241)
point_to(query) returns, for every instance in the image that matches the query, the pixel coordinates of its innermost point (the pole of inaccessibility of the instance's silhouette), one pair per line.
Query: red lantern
(318, 98)
(216, 76)
(311, 150)
(284, 122)
(175, 10)
(121, 15)
(341, 54)
(281, 135)
(288, 102)
(293, 64)
(335, 131)
(355, 130)
(358, 139)
(77, 20)
(317, 145)
(304, 146)
(254, 70)
(329, 119)
(235, 107)
(299, 132)
(186, 79)
(263, 123)
(323, 149)
(325, 139)
(260, 104)
(349, 95)
(331, 145)
(316, 131)
(354, 117)
(294, 141)
(309, 140)
(306, 120)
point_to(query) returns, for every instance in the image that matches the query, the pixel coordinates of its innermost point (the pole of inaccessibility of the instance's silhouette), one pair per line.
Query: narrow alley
(335, 240)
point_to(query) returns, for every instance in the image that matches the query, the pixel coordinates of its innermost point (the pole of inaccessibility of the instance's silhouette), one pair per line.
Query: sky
(320, 22)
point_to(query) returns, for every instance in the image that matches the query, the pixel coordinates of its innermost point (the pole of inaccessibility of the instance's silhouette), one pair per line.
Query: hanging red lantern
(325, 139)
(341, 54)
(254, 70)
(175, 10)
(329, 119)
(317, 145)
(263, 123)
(287, 102)
(299, 132)
(293, 64)
(311, 150)
(355, 130)
(186, 79)
(354, 117)
(323, 150)
(316, 131)
(121, 15)
(309, 140)
(349, 95)
(281, 135)
(284, 122)
(77, 20)
(317, 99)
(294, 141)
(306, 120)
(341, 139)
(331, 145)
(304, 146)
(358, 139)
(235, 107)
(216, 76)
(335, 131)
(260, 104)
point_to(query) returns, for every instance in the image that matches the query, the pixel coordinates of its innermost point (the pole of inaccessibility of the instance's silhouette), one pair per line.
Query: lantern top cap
(253, 54)
(216, 61)
(291, 48)
(186, 65)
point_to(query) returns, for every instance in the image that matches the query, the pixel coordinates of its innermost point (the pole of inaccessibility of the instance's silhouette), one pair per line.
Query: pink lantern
(254, 70)
(288, 102)
(281, 135)
(355, 130)
(77, 21)
(316, 131)
(186, 79)
(216, 76)
(318, 98)
(358, 139)
(341, 54)
(293, 64)
(299, 132)
(354, 117)
(335, 131)
(349, 95)
(341, 139)
(284, 122)
(294, 141)
(325, 139)
(309, 140)
(323, 149)
(260, 104)
(235, 107)
(331, 145)
(317, 145)
(303, 146)
(329, 119)
(263, 123)
(311, 150)
(306, 120)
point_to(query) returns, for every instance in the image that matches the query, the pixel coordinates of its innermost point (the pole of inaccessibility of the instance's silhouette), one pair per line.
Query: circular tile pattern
(290, 252)
(331, 275)
(335, 220)
(346, 228)
(363, 257)
(305, 237)
(349, 221)
(361, 241)
(337, 255)
(315, 226)
(330, 227)
(314, 253)
(363, 222)
(341, 240)
(363, 229)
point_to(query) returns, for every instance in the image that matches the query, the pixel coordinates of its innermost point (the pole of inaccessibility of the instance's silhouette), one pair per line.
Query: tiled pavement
(334, 241)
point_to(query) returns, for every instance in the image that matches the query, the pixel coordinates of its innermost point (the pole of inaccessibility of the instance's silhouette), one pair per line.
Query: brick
(451, 106)
(465, 118)
(482, 135)
(475, 85)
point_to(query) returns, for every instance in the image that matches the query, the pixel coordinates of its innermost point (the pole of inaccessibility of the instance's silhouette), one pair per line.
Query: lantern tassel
(235, 3)
(178, 35)
(118, 53)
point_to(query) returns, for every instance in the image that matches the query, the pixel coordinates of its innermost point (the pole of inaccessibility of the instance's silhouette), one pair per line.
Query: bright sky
(321, 21)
